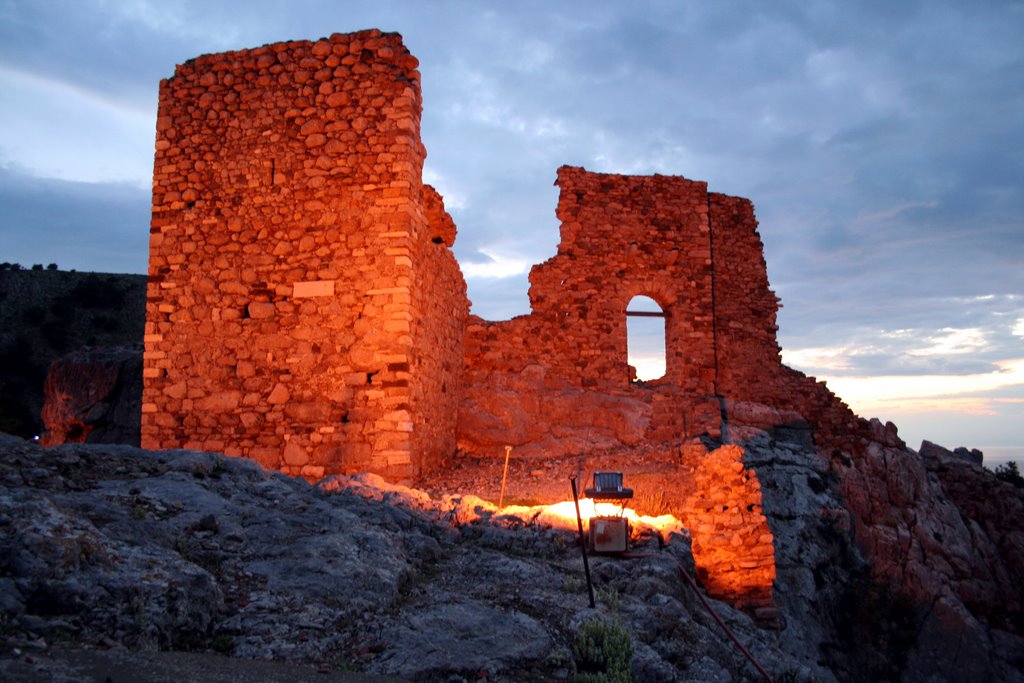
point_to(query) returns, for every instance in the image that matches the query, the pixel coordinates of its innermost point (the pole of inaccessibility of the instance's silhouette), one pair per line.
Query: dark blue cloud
(81, 226)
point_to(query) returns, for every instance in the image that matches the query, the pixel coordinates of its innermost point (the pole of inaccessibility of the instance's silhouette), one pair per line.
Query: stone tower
(304, 306)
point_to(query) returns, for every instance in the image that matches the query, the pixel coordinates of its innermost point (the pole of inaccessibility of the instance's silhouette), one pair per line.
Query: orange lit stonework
(732, 544)
(305, 309)
(304, 306)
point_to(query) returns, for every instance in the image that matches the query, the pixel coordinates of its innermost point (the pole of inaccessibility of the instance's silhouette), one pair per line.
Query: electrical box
(609, 534)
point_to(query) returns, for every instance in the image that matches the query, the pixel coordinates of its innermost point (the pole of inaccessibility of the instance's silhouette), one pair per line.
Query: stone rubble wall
(555, 383)
(288, 242)
(747, 352)
(699, 255)
(544, 417)
(621, 236)
(733, 547)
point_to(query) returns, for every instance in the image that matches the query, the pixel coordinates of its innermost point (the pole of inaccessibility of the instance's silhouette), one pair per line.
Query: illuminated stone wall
(557, 379)
(733, 546)
(304, 307)
(556, 382)
(621, 236)
(697, 254)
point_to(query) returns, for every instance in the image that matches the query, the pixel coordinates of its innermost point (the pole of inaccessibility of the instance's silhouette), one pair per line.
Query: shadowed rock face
(945, 540)
(94, 396)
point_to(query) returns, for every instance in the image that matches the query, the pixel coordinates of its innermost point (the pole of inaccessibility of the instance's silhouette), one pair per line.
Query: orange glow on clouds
(928, 392)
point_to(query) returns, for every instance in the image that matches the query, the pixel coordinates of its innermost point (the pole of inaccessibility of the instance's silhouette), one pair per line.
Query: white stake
(504, 476)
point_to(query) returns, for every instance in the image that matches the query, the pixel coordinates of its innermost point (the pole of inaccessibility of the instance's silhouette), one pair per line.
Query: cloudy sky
(881, 142)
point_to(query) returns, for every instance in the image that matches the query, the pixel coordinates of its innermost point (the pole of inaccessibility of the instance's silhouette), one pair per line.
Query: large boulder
(94, 396)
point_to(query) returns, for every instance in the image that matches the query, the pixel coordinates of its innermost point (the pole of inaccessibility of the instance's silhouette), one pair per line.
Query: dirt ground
(541, 482)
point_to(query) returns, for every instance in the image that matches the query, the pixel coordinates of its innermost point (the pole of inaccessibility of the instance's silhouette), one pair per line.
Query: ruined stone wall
(555, 383)
(439, 295)
(621, 236)
(305, 310)
(733, 546)
(697, 254)
(288, 236)
(747, 352)
(700, 256)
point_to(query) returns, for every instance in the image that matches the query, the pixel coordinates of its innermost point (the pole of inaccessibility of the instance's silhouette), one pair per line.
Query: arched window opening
(645, 339)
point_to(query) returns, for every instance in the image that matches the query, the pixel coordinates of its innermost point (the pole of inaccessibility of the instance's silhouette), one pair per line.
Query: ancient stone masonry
(304, 307)
(697, 254)
(732, 544)
(621, 236)
(556, 382)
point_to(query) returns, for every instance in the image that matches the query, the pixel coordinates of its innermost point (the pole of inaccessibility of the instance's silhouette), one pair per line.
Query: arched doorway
(645, 339)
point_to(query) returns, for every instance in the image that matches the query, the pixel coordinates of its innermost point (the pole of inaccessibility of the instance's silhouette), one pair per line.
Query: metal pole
(504, 476)
(728, 631)
(583, 544)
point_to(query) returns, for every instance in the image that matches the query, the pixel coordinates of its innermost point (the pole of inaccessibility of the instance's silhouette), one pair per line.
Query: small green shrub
(222, 643)
(559, 656)
(1009, 473)
(572, 583)
(604, 653)
(609, 595)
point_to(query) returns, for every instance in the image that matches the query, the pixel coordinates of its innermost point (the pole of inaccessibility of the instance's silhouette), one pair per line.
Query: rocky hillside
(106, 551)
(45, 314)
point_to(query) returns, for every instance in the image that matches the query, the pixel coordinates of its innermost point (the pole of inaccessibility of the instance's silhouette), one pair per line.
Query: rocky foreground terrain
(122, 564)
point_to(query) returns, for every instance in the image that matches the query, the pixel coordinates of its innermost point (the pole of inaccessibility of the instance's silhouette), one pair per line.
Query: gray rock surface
(108, 553)
(111, 548)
